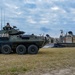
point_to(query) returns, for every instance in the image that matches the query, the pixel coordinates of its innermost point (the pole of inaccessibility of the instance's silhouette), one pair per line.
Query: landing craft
(67, 40)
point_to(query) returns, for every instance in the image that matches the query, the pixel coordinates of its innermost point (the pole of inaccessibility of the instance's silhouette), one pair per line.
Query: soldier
(8, 27)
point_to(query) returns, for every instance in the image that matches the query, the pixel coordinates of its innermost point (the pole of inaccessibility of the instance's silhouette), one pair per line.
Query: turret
(10, 30)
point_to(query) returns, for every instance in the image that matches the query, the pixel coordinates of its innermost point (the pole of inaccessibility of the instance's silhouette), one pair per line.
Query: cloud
(31, 21)
(44, 22)
(40, 16)
(11, 6)
(55, 8)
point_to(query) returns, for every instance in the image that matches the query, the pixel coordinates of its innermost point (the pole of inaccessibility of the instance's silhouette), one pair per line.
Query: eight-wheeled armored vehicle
(14, 40)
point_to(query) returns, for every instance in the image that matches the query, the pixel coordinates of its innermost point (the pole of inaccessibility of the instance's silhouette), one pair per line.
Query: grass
(46, 60)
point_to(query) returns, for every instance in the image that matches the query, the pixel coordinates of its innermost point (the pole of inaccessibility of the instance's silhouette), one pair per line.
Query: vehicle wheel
(21, 49)
(32, 49)
(6, 49)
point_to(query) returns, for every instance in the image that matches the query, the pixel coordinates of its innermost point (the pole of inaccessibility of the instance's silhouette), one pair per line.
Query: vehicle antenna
(1, 18)
(4, 17)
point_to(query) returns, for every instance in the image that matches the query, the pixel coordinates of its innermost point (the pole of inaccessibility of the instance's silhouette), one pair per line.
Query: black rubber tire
(6, 49)
(32, 49)
(21, 49)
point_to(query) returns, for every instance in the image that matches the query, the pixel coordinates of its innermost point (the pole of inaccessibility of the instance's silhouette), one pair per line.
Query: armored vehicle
(14, 40)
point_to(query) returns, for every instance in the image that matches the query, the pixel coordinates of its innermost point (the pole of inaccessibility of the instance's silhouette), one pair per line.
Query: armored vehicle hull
(13, 40)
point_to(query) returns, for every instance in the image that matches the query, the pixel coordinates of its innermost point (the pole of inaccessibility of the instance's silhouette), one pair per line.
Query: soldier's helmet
(8, 25)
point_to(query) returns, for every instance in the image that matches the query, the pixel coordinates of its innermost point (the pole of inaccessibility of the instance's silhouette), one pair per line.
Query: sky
(39, 16)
